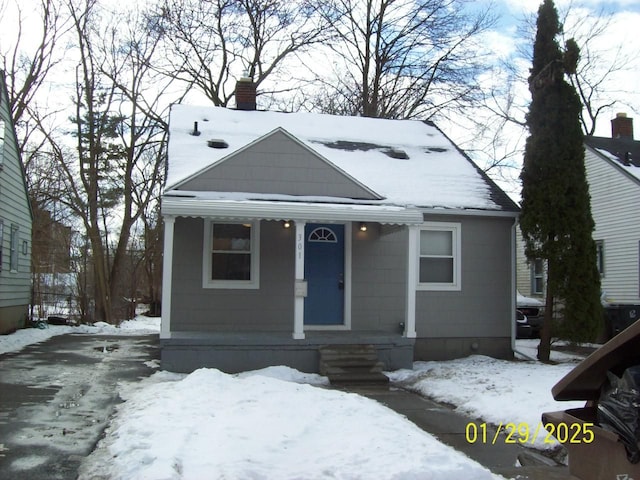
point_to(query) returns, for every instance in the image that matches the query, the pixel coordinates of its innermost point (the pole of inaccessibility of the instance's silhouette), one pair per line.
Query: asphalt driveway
(56, 398)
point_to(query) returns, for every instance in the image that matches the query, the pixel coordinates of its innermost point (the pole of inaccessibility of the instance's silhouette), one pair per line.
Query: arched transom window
(323, 234)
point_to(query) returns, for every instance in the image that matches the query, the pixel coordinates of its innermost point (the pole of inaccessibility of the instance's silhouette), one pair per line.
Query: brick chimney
(622, 126)
(245, 94)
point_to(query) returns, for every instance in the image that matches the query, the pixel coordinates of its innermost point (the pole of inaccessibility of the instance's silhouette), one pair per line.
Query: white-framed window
(13, 249)
(537, 276)
(231, 255)
(1, 242)
(600, 256)
(3, 128)
(440, 253)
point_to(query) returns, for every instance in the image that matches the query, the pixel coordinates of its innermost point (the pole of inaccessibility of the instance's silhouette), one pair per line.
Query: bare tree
(598, 65)
(116, 170)
(212, 42)
(594, 78)
(29, 55)
(501, 120)
(403, 58)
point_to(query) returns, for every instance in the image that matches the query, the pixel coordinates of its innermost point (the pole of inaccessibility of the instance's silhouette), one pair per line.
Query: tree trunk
(544, 347)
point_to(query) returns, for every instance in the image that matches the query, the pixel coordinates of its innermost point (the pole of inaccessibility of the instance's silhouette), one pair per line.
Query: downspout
(514, 276)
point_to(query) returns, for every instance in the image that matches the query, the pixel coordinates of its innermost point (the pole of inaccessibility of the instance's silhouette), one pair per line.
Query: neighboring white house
(613, 173)
(15, 225)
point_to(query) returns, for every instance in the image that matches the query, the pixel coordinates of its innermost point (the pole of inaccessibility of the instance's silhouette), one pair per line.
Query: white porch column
(300, 285)
(167, 270)
(412, 282)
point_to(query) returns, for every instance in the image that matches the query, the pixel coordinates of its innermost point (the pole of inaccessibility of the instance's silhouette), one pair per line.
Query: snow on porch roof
(233, 207)
(407, 162)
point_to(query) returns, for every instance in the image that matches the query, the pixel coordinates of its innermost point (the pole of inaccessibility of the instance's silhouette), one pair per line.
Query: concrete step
(352, 364)
(337, 369)
(358, 378)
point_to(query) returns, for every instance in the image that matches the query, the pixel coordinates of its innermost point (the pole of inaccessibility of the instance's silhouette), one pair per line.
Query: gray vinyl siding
(379, 278)
(15, 285)
(267, 309)
(615, 197)
(482, 308)
(277, 164)
(378, 285)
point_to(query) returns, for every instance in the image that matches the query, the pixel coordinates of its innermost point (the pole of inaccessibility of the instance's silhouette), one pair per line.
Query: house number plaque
(300, 246)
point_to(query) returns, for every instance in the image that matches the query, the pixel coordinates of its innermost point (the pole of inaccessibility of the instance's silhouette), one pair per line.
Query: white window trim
(252, 284)
(542, 277)
(14, 253)
(1, 244)
(601, 257)
(3, 129)
(456, 229)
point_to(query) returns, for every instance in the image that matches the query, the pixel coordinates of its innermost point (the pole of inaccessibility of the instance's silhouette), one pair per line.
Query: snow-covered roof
(405, 162)
(623, 152)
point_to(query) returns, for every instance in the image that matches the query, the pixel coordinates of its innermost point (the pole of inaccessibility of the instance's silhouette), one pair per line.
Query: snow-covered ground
(21, 338)
(281, 423)
(512, 395)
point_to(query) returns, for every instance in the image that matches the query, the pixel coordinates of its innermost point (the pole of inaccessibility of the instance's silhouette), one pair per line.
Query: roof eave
(266, 210)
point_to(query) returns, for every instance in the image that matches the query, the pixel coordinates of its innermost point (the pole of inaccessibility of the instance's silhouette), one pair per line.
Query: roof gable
(397, 162)
(277, 163)
(622, 153)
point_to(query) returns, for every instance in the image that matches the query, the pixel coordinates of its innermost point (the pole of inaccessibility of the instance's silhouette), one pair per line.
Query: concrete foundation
(450, 348)
(233, 353)
(13, 318)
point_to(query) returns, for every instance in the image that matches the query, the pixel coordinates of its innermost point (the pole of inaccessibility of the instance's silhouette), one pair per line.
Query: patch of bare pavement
(56, 398)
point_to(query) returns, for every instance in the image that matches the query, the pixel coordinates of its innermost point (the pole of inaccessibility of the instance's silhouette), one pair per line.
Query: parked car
(533, 311)
(523, 329)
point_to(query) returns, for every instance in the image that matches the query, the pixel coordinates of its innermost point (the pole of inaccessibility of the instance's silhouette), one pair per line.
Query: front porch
(237, 352)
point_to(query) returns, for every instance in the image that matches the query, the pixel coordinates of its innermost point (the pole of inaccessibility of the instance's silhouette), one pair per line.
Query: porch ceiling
(283, 210)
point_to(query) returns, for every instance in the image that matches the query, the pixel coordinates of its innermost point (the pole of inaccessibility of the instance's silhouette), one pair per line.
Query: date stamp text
(523, 433)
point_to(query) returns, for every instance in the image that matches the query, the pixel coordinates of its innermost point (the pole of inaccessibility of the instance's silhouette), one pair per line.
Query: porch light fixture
(286, 223)
(363, 227)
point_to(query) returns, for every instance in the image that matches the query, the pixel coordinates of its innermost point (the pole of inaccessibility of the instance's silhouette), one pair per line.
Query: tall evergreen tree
(556, 219)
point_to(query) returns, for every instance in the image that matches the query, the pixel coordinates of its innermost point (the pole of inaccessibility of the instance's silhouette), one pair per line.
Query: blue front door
(324, 272)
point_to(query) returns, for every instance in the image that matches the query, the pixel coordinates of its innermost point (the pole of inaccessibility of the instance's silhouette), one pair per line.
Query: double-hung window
(600, 256)
(3, 128)
(231, 256)
(537, 276)
(440, 257)
(1, 241)
(13, 249)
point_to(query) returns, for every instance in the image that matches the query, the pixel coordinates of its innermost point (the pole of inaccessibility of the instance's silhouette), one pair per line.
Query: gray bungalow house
(15, 225)
(289, 232)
